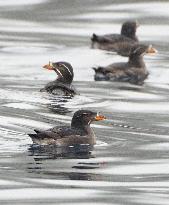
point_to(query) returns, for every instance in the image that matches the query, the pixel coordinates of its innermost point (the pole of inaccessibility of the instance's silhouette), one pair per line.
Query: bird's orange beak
(49, 66)
(100, 117)
(151, 50)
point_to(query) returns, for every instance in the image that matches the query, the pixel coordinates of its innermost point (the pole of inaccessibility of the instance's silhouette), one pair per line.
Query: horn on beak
(49, 66)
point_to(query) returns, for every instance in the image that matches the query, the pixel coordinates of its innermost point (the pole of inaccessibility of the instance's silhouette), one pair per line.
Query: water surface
(129, 164)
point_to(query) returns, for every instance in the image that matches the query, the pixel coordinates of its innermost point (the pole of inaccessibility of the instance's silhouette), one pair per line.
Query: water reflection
(54, 152)
(132, 88)
(133, 166)
(58, 104)
(76, 174)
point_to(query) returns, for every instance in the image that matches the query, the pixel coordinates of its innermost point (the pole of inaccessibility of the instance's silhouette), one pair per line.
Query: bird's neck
(132, 36)
(78, 124)
(129, 35)
(136, 61)
(64, 80)
(85, 130)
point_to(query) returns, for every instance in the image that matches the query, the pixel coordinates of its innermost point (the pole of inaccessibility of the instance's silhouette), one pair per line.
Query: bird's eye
(59, 64)
(85, 114)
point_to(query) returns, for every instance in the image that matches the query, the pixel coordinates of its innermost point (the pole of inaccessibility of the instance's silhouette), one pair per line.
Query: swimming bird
(134, 71)
(120, 43)
(62, 86)
(79, 132)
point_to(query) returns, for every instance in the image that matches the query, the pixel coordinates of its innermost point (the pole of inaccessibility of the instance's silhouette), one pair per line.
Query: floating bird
(78, 133)
(62, 85)
(120, 43)
(134, 71)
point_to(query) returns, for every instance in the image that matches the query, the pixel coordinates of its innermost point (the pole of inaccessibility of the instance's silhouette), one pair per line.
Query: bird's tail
(98, 69)
(32, 135)
(94, 37)
(37, 131)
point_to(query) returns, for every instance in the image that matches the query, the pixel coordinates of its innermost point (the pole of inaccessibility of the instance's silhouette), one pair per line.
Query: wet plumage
(62, 86)
(134, 71)
(79, 132)
(120, 43)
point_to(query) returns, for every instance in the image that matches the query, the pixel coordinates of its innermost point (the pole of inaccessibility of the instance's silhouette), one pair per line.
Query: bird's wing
(55, 133)
(112, 69)
(117, 72)
(114, 38)
(58, 85)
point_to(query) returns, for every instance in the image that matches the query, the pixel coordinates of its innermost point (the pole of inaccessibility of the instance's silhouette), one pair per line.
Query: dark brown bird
(134, 71)
(62, 86)
(120, 43)
(78, 133)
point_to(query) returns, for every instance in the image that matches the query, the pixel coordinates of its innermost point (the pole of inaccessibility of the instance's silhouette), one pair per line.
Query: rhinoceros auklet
(120, 43)
(134, 71)
(62, 85)
(78, 133)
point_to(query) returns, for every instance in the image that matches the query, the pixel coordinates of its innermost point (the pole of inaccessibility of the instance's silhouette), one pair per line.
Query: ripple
(130, 158)
(20, 2)
(36, 193)
(21, 106)
(159, 7)
(156, 107)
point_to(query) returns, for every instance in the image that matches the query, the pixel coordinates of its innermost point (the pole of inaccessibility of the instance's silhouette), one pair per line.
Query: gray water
(130, 162)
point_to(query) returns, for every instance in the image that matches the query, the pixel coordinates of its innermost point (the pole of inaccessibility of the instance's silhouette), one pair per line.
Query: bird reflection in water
(58, 104)
(43, 153)
(40, 152)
